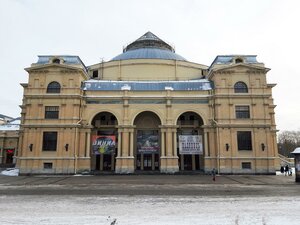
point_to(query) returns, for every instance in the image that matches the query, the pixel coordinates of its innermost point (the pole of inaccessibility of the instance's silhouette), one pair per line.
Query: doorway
(104, 142)
(147, 147)
(190, 144)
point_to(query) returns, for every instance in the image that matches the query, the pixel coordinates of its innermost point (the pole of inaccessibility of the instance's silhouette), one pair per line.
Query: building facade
(147, 109)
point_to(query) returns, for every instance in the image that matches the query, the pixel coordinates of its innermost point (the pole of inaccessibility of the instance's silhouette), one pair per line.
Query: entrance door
(104, 142)
(105, 162)
(9, 156)
(147, 141)
(190, 139)
(147, 150)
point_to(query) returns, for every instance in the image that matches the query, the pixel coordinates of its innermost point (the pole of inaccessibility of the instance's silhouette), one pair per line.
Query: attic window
(239, 60)
(56, 60)
(95, 73)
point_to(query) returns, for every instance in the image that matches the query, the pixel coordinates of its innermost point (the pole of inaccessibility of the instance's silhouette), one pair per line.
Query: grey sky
(200, 30)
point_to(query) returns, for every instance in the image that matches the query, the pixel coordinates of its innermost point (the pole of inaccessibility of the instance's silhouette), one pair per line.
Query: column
(169, 142)
(206, 150)
(119, 142)
(125, 144)
(174, 142)
(88, 144)
(125, 159)
(163, 146)
(131, 133)
(169, 159)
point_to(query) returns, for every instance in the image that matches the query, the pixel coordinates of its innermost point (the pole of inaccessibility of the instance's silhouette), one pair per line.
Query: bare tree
(287, 142)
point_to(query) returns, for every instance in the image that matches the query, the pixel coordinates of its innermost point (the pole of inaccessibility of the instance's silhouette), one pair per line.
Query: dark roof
(227, 59)
(149, 40)
(149, 53)
(68, 59)
(149, 46)
(5, 117)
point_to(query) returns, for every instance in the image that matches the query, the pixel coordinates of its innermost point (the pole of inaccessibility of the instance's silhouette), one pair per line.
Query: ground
(149, 199)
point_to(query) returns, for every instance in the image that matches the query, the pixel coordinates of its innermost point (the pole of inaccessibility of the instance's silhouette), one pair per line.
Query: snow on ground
(10, 172)
(146, 210)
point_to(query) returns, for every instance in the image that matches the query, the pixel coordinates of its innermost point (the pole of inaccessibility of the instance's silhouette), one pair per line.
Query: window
(246, 165)
(49, 141)
(244, 140)
(242, 112)
(57, 61)
(240, 87)
(51, 112)
(53, 87)
(95, 73)
(239, 60)
(48, 165)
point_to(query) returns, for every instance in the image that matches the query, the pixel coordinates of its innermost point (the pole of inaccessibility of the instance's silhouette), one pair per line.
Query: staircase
(282, 160)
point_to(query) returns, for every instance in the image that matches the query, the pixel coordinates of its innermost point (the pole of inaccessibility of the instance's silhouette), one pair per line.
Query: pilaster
(125, 158)
(169, 158)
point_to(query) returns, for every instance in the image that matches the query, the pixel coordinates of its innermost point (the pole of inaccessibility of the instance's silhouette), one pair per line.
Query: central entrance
(104, 142)
(190, 139)
(147, 147)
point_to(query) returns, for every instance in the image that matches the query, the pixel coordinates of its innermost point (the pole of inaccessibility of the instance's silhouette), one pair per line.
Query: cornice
(44, 68)
(229, 69)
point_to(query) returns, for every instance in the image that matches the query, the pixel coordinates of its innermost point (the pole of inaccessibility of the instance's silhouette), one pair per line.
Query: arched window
(239, 60)
(56, 60)
(53, 87)
(240, 87)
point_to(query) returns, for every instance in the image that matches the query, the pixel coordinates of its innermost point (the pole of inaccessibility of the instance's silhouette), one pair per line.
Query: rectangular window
(242, 112)
(48, 165)
(51, 112)
(49, 141)
(95, 73)
(244, 140)
(246, 165)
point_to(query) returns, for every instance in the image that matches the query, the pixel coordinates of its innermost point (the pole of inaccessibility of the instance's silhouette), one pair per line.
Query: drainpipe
(218, 146)
(218, 135)
(76, 135)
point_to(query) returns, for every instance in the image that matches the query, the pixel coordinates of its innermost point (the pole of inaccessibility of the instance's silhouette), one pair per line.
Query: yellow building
(148, 109)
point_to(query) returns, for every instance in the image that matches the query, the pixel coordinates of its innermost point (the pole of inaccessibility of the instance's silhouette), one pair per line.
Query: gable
(238, 68)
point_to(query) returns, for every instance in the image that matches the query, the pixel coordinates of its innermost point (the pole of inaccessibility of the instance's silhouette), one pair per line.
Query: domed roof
(149, 46)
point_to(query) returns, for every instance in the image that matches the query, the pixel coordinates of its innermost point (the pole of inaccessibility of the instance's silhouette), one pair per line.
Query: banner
(190, 144)
(103, 144)
(147, 142)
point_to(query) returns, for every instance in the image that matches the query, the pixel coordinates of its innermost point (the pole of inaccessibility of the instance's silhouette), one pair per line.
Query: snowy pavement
(149, 199)
(146, 210)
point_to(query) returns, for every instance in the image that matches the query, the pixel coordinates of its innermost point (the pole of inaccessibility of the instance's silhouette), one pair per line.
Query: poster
(103, 144)
(190, 144)
(147, 142)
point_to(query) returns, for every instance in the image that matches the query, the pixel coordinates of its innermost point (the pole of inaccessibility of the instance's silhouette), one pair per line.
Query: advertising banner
(190, 144)
(147, 142)
(103, 144)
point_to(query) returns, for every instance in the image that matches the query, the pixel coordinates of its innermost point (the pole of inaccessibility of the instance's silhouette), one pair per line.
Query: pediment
(241, 67)
(59, 68)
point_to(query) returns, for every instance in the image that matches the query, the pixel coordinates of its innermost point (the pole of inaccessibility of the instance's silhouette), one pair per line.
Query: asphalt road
(158, 185)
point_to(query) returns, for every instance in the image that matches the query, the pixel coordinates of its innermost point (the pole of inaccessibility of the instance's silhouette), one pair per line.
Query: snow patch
(11, 172)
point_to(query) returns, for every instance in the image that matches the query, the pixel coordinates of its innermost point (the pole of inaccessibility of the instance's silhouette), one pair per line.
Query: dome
(149, 46)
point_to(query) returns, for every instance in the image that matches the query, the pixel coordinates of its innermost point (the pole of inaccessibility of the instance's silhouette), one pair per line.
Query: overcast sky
(200, 30)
